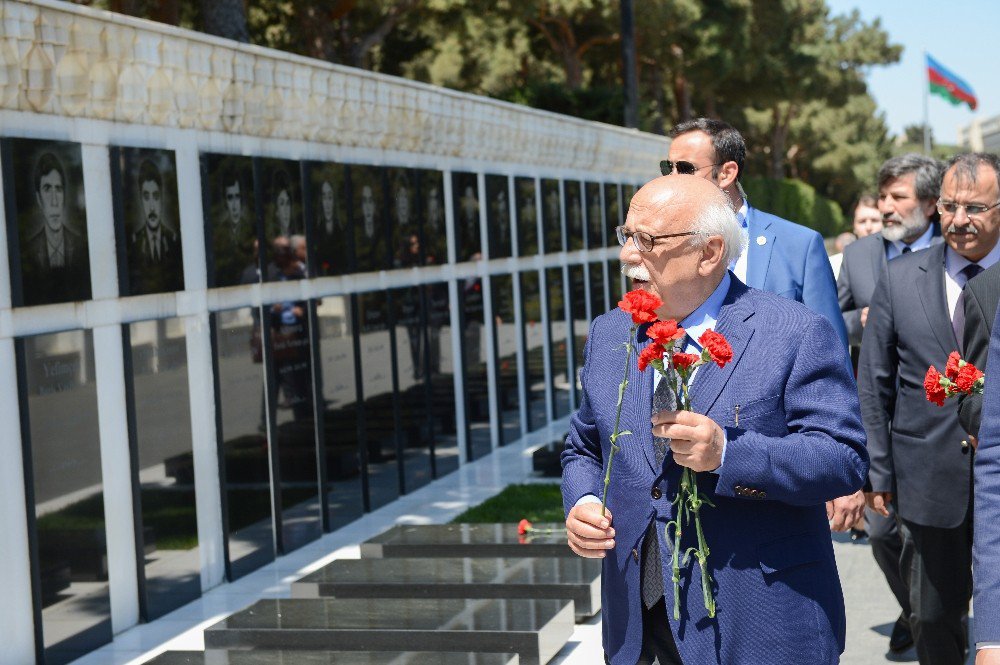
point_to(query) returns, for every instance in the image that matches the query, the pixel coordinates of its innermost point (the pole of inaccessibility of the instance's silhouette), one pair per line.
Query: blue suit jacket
(793, 263)
(986, 514)
(799, 443)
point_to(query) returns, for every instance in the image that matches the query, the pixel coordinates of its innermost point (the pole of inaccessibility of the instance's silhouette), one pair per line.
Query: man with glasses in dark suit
(920, 461)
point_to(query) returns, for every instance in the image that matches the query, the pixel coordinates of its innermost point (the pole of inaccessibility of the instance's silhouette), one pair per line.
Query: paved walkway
(870, 606)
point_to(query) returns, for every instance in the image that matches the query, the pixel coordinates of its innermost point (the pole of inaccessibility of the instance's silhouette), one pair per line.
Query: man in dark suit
(980, 298)
(918, 462)
(55, 262)
(986, 541)
(908, 188)
(768, 454)
(155, 262)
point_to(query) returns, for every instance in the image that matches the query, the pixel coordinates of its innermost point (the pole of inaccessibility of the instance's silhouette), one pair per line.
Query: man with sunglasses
(920, 459)
(781, 257)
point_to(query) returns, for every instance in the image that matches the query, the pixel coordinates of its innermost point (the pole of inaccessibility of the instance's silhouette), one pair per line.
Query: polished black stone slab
(534, 629)
(289, 657)
(576, 579)
(466, 540)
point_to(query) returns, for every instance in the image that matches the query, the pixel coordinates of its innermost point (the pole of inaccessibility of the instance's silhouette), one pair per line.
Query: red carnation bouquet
(661, 355)
(959, 378)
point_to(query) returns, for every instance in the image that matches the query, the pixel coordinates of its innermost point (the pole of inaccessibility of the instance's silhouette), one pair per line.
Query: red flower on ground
(641, 305)
(966, 378)
(665, 332)
(523, 527)
(951, 369)
(717, 346)
(685, 360)
(652, 352)
(932, 387)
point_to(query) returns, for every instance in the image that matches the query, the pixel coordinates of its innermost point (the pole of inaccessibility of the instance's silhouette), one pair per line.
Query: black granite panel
(612, 213)
(598, 290)
(332, 233)
(370, 214)
(241, 420)
(415, 421)
(575, 231)
(534, 629)
(476, 380)
(230, 219)
(505, 353)
(576, 579)
(552, 224)
(375, 355)
(596, 228)
(434, 235)
(465, 197)
(498, 216)
(65, 498)
(292, 423)
(579, 322)
(46, 221)
(441, 378)
(339, 441)
(147, 220)
(628, 191)
(467, 540)
(284, 230)
(533, 343)
(616, 283)
(527, 216)
(160, 424)
(265, 657)
(404, 229)
(559, 343)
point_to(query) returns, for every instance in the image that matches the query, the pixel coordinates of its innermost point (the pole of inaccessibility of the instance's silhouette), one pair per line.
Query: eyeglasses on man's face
(684, 168)
(971, 209)
(642, 240)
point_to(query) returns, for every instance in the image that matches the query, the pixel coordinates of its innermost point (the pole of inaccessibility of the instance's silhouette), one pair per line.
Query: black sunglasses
(684, 168)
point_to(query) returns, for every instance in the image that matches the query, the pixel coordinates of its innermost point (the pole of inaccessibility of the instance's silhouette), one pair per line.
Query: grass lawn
(536, 502)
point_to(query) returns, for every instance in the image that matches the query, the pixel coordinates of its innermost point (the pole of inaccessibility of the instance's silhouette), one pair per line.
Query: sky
(962, 35)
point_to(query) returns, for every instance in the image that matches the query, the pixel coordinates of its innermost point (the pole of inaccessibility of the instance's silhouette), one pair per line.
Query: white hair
(718, 219)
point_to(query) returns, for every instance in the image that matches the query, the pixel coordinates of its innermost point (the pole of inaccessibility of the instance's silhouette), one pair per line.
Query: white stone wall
(75, 74)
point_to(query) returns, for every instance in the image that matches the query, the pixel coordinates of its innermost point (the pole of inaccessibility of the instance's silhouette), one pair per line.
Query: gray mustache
(968, 228)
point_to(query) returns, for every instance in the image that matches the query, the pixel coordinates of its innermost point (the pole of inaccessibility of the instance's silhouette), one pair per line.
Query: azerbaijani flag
(949, 86)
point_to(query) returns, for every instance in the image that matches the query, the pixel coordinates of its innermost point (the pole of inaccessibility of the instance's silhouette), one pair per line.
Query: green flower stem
(618, 415)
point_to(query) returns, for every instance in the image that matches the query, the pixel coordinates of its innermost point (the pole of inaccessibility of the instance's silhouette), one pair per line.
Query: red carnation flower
(641, 305)
(652, 352)
(523, 527)
(932, 387)
(685, 360)
(966, 378)
(665, 332)
(951, 369)
(717, 347)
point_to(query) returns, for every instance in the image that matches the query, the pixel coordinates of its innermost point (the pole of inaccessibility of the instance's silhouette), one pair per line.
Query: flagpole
(927, 122)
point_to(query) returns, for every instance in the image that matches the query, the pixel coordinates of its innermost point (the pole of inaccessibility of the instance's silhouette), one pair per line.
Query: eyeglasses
(642, 240)
(684, 168)
(971, 209)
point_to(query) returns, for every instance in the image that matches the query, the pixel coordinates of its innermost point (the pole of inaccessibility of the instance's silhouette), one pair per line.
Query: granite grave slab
(534, 629)
(265, 657)
(467, 540)
(576, 579)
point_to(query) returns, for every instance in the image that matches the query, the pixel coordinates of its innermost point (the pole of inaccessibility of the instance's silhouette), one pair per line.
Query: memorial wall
(246, 297)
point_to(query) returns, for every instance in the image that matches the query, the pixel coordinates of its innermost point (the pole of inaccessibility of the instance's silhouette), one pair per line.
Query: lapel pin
(761, 240)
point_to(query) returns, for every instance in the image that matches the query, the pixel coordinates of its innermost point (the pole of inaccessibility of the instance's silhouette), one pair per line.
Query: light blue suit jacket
(986, 512)
(799, 443)
(793, 263)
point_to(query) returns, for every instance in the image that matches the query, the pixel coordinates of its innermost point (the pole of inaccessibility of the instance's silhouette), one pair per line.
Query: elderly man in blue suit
(774, 435)
(780, 256)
